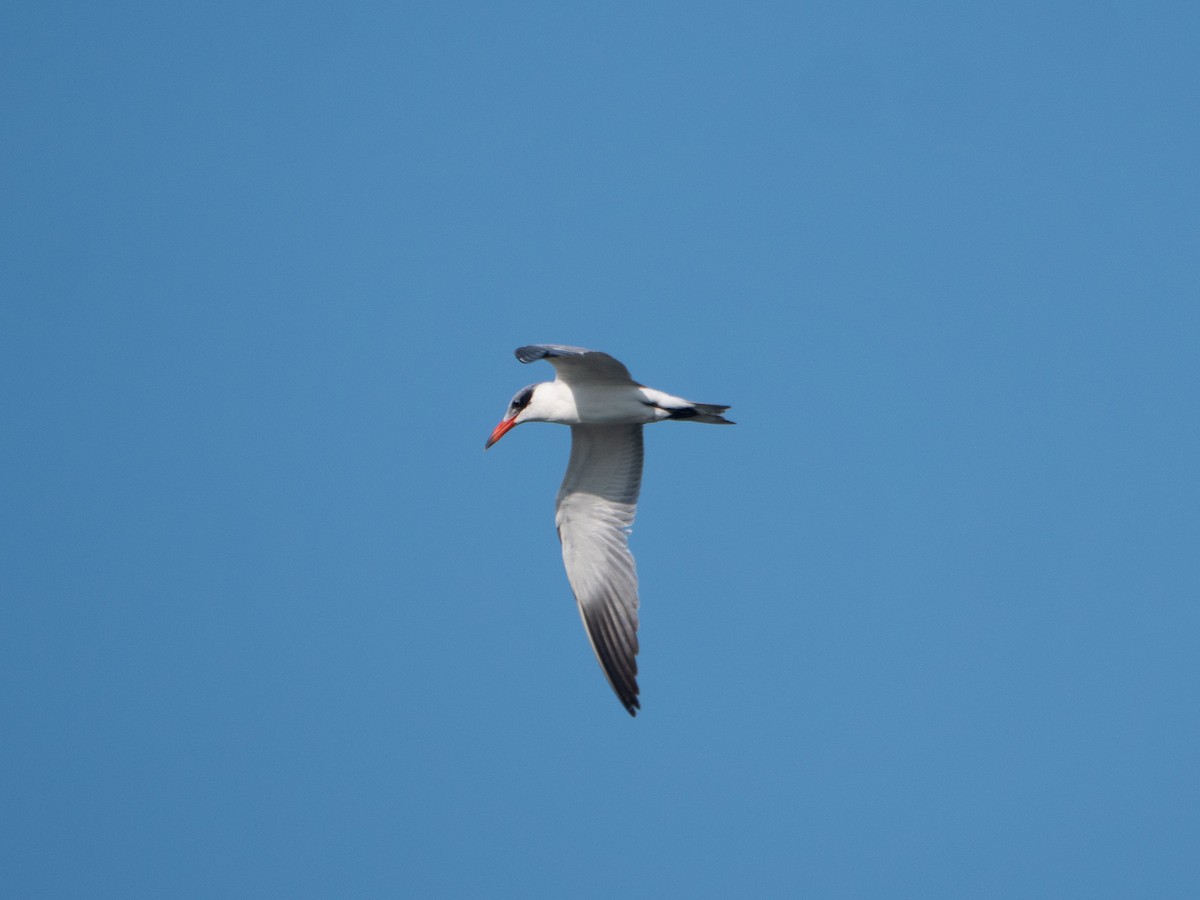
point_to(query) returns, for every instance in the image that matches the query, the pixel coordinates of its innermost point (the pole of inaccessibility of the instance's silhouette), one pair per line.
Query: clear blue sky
(924, 624)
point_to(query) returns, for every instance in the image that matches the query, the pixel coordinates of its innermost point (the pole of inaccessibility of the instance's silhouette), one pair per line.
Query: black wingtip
(628, 694)
(531, 353)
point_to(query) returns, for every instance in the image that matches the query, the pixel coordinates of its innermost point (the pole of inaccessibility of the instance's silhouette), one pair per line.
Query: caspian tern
(606, 409)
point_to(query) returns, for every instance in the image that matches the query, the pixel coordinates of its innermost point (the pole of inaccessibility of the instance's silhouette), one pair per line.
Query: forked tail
(701, 412)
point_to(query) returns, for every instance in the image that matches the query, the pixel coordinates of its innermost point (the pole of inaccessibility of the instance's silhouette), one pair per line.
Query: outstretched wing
(575, 364)
(595, 510)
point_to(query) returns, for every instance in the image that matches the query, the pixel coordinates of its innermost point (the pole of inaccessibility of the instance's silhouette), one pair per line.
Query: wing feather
(575, 365)
(595, 510)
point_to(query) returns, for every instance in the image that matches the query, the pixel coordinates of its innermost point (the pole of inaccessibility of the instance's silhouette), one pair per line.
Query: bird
(594, 394)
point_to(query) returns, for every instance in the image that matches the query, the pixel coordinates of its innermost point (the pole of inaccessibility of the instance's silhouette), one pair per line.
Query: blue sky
(924, 624)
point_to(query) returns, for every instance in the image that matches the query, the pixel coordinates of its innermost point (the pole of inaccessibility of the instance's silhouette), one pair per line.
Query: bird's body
(603, 404)
(606, 409)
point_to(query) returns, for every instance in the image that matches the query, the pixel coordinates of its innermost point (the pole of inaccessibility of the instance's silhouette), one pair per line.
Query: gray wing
(596, 506)
(575, 364)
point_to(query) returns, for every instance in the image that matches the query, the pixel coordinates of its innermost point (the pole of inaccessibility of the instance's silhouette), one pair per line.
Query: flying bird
(606, 409)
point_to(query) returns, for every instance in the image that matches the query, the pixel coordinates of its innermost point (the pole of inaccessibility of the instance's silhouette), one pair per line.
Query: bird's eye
(522, 399)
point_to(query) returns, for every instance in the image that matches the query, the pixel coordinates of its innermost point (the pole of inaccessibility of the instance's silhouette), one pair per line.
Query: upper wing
(596, 506)
(575, 364)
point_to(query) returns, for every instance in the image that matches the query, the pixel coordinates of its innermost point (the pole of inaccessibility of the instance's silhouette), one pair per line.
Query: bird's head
(522, 408)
